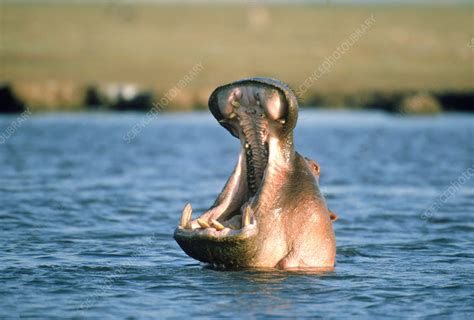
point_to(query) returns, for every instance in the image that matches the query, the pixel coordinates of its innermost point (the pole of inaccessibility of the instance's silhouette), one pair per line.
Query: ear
(332, 215)
(314, 166)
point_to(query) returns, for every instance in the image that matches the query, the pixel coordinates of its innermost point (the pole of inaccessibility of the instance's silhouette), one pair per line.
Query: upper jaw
(289, 114)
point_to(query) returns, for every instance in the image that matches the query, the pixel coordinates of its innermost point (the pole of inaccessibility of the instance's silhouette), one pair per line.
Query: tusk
(246, 216)
(216, 224)
(186, 217)
(203, 223)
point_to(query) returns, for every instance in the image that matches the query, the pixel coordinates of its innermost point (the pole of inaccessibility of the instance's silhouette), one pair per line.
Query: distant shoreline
(115, 56)
(43, 97)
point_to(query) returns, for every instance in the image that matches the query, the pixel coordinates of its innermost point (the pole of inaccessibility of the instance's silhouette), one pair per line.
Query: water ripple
(86, 221)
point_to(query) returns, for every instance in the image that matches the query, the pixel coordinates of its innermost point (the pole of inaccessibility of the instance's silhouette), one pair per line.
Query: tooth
(216, 224)
(246, 216)
(186, 217)
(247, 146)
(282, 121)
(235, 104)
(203, 224)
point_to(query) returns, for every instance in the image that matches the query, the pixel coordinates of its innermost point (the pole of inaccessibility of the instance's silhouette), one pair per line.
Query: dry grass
(420, 48)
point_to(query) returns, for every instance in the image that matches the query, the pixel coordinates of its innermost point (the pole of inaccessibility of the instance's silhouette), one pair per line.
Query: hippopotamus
(270, 213)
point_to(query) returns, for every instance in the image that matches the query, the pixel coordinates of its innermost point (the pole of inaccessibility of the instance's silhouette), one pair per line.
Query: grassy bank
(413, 48)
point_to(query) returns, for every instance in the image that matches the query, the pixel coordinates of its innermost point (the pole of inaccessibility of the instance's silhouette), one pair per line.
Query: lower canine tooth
(203, 223)
(246, 216)
(186, 217)
(216, 224)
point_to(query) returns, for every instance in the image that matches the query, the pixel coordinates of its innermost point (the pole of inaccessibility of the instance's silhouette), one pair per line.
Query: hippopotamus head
(270, 212)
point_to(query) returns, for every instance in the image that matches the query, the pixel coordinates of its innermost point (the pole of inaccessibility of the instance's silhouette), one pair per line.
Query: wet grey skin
(271, 213)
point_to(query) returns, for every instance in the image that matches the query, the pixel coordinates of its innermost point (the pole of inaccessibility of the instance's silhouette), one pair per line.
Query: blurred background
(415, 56)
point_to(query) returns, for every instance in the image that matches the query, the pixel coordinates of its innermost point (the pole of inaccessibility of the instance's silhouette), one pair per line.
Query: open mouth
(242, 111)
(256, 114)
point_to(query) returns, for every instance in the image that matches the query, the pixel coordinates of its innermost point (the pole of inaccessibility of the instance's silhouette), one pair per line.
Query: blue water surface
(87, 217)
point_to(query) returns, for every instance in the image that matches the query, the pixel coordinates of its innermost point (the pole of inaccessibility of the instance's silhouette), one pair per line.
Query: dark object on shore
(9, 103)
(387, 101)
(141, 102)
(123, 97)
(93, 98)
(457, 101)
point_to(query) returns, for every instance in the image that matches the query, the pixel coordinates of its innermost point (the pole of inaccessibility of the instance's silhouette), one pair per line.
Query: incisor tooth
(235, 104)
(246, 216)
(216, 224)
(186, 217)
(203, 224)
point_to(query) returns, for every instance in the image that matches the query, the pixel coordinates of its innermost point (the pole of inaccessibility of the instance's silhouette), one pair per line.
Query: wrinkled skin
(270, 213)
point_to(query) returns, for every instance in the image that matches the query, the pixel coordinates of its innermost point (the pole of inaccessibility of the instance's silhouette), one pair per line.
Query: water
(86, 219)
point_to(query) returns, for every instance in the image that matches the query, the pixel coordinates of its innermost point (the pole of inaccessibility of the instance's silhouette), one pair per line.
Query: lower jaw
(231, 241)
(229, 248)
(218, 244)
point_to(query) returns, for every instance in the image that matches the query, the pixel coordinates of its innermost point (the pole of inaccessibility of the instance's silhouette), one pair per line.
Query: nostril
(276, 108)
(237, 93)
(232, 102)
(225, 109)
